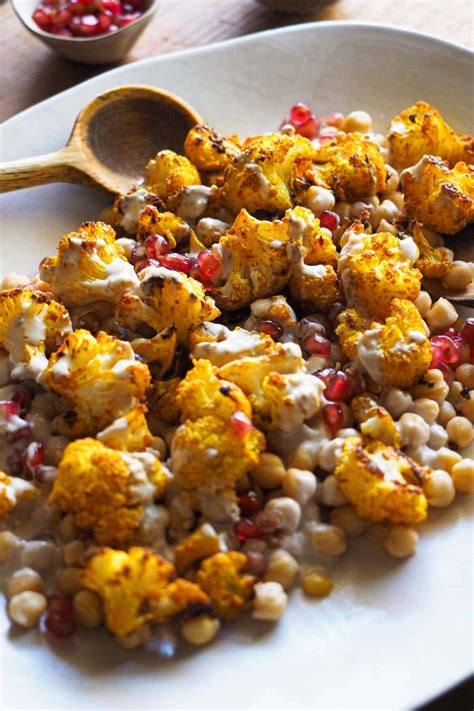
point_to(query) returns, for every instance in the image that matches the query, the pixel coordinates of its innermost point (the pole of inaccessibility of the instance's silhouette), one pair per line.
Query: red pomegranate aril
(310, 129)
(112, 6)
(146, 263)
(61, 32)
(241, 423)
(61, 18)
(138, 254)
(300, 114)
(155, 246)
(250, 503)
(60, 620)
(177, 263)
(271, 328)
(447, 372)
(86, 25)
(245, 528)
(333, 312)
(124, 20)
(42, 17)
(445, 350)
(325, 137)
(467, 332)
(333, 416)
(329, 220)
(138, 5)
(325, 375)
(317, 345)
(209, 263)
(23, 399)
(33, 456)
(339, 388)
(336, 119)
(9, 408)
(105, 20)
(44, 475)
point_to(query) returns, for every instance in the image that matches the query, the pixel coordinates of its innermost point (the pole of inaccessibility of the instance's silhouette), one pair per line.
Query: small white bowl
(104, 49)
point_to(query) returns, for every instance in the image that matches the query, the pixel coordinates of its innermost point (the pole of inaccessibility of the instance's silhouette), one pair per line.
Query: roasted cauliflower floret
(32, 325)
(128, 208)
(420, 130)
(168, 172)
(136, 587)
(129, 433)
(208, 150)
(394, 353)
(281, 392)
(382, 483)
(261, 176)
(99, 376)
(218, 344)
(438, 196)
(202, 543)
(12, 491)
(158, 352)
(317, 243)
(433, 262)
(374, 421)
(165, 298)
(221, 576)
(165, 224)
(162, 405)
(107, 490)
(374, 269)
(90, 266)
(352, 166)
(316, 286)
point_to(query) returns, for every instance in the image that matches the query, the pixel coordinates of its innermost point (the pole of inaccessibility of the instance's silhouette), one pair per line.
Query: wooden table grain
(30, 72)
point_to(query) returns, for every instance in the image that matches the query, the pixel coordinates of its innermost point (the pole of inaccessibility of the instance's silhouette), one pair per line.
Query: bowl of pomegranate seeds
(88, 31)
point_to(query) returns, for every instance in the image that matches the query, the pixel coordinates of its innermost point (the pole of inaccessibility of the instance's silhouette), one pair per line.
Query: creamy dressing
(409, 250)
(210, 230)
(231, 345)
(301, 400)
(370, 354)
(194, 201)
(131, 206)
(264, 185)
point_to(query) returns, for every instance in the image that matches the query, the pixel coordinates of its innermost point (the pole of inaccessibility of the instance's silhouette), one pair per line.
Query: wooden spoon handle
(51, 168)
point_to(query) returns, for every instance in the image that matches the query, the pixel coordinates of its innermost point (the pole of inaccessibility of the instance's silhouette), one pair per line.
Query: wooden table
(31, 72)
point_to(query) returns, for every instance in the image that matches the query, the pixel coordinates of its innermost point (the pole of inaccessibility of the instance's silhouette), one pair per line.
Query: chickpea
(446, 413)
(269, 472)
(413, 429)
(9, 545)
(299, 484)
(423, 303)
(25, 579)
(441, 315)
(327, 540)
(401, 541)
(319, 199)
(358, 121)
(200, 630)
(290, 510)
(460, 431)
(459, 276)
(135, 639)
(25, 608)
(467, 407)
(439, 489)
(431, 385)
(426, 408)
(87, 606)
(317, 584)
(445, 459)
(281, 568)
(331, 494)
(269, 602)
(438, 436)
(346, 518)
(465, 375)
(68, 581)
(67, 528)
(463, 476)
(73, 551)
(396, 401)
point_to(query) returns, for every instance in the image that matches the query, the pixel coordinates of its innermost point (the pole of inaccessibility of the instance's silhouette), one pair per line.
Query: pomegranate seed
(250, 503)
(256, 563)
(61, 18)
(335, 120)
(333, 312)
(271, 328)
(146, 263)
(245, 528)
(310, 129)
(241, 423)
(23, 399)
(325, 138)
(339, 388)
(113, 28)
(9, 408)
(15, 462)
(112, 6)
(21, 432)
(333, 416)
(300, 114)
(85, 25)
(138, 254)
(105, 20)
(317, 345)
(177, 263)
(125, 20)
(325, 375)
(445, 350)
(329, 220)
(269, 520)
(209, 263)
(60, 620)
(137, 5)
(155, 246)
(33, 456)
(467, 332)
(61, 32)
(42, 17)
(447, 372)
(44, 475)
(452, 333)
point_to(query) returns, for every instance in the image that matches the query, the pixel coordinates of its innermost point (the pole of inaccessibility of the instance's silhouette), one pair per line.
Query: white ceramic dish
(392, 634)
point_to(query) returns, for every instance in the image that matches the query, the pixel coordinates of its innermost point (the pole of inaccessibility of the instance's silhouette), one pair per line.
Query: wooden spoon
(112, 139)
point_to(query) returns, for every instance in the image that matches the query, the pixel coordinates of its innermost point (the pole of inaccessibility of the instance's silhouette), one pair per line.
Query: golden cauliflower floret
(200, 544)
(129, 433)
(221, 576)
(433, 262)
(32, 325)
(318, 245)
(352, 166)
(132, 583)
(316, 286)
(255, 259)
(158, 352)
(128, 208)
(281, 392)
(395, 352)
(261, 176)
(202, 393)
(382, 483)
(107, 490)
(374, 421)
(218, 344)
(420, 130)
(165, 224)
(168, 172)
(99, 376)
(210, 455)
(161, 400)
(374, 269)
(438, 196)
(208, 150)
(90, 266)
(12, 491)
(166, 298)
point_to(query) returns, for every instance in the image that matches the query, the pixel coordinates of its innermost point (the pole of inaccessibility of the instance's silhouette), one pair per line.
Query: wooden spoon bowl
(112, 139)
